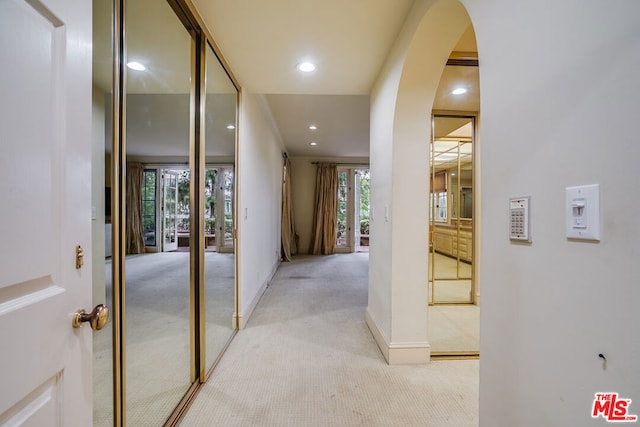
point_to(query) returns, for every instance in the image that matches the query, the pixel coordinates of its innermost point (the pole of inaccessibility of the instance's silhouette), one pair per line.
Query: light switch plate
(583, 212)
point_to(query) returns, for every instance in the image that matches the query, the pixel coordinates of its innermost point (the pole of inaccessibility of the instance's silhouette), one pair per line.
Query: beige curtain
(135, 238)
(323, 234)
(288, 227)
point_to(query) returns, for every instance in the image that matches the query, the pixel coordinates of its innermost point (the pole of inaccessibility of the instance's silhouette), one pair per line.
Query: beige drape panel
(288, 227)
(323, 234)
(135, 238)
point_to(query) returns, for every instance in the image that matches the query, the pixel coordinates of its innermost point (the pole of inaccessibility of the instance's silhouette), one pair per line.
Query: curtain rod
(344, 164)
(179, 164)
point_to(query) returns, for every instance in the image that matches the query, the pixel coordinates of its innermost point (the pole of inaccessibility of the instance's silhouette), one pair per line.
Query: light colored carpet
(307, 358)
(157, 330)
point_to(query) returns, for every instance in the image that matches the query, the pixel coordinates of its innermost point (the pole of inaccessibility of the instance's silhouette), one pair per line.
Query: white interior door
(45, 178)
(170, 209)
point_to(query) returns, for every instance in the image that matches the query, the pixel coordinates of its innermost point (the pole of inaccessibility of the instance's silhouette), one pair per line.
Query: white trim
(242, 319)
(378, 335)
(32, 298)
(398, 353)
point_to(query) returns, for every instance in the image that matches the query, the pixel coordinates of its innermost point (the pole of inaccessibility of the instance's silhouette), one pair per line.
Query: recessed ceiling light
(134, 65)
(306, 67)
(313, 127)
(231, 127)
(313, 144)
(459, 91)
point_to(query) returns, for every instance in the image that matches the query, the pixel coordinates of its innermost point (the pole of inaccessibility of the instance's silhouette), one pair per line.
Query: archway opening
(401, 108)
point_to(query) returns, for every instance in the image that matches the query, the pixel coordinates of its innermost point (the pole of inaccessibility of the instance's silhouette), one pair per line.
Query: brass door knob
(97, 318)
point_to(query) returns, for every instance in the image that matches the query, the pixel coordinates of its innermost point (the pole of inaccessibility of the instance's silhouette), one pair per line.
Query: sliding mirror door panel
(219, 192)
(157, 266)
(102, 231)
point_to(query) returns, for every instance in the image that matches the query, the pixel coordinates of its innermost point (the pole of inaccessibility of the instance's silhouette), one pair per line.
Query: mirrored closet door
(451, 211)
(157, 290)
(219, 201)
(170, 161)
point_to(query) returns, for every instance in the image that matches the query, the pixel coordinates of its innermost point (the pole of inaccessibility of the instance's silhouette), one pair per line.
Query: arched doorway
(401, 106)
(453, 315)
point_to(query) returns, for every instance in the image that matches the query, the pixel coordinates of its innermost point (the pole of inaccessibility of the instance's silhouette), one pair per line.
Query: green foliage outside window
(365, 196)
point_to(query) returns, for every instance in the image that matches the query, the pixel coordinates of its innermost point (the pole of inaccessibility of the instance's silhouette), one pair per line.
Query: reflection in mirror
(451, 210)
(157, 283)
(101, 202)
(220, 138)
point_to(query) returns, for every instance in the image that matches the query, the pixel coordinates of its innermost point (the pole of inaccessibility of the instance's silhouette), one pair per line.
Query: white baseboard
(398, 353)
(242, 319)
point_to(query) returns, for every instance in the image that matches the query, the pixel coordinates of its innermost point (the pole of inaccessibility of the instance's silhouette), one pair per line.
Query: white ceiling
(342, 123)
(263, 41)
(349, 40)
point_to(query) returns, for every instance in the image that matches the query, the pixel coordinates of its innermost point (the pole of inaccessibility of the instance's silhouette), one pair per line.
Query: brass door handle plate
(79, 257)
(97, 318)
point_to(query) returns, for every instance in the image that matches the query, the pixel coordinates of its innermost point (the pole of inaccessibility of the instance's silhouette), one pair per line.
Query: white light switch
(583, 212)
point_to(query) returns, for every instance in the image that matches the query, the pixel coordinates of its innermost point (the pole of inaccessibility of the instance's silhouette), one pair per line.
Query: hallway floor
(307, 358)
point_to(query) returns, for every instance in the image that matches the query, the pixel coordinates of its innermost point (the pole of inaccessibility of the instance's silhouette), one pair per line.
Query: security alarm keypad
(519, 228)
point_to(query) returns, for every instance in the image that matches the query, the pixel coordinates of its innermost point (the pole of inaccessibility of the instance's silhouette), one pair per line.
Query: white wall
(97, 195)
(259, 201)
(400, 132)
(303, 179)
(559, 91)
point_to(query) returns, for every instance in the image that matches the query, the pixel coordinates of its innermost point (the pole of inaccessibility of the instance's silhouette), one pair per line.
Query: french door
(170, 211)
(352, 233)
(344, 240)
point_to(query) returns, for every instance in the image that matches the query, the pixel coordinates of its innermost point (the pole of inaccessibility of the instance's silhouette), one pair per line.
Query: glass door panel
(170, 209)
(362, 209)
(149, 207)
(210, 204)
(219, 257)
(157, 298)
(342, 235)
(224, 210)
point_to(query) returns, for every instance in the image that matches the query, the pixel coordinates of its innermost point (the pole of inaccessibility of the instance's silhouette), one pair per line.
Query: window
(439, 201)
